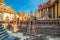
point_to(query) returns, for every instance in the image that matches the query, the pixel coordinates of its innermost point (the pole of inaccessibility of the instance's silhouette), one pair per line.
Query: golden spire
(2, 1)
(37, 13)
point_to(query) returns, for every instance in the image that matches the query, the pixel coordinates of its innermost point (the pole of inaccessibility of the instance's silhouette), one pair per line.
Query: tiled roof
(44, 5)
(47, 4)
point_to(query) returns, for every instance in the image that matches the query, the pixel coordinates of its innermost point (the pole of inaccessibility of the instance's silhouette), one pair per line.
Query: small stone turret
(31, 13)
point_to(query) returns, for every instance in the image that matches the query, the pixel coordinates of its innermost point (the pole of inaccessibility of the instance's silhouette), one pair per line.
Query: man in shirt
(4, 35)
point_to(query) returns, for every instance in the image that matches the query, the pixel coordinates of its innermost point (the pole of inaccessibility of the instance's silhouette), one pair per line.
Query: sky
(24, 5)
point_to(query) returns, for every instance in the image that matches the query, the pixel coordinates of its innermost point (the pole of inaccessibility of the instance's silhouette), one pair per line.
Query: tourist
(4, 34)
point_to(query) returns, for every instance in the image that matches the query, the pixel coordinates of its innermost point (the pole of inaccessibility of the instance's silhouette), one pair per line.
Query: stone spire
(31, 13)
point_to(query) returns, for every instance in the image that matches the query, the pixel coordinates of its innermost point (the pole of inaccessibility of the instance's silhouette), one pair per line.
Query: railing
(48, 22)
(49, 26)
(43, 26)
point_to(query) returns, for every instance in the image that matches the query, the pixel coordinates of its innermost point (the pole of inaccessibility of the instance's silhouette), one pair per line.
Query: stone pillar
(58, 8)
(52, 12)
(56, 11)
(40, 13)
(47, 12)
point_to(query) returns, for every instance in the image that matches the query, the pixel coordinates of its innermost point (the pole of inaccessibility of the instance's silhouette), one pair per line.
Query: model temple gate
(34, 26)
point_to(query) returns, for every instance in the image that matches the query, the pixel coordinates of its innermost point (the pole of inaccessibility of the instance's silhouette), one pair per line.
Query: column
(47, 11)
(56, 11)
(40, 13)
(58, 8)
(52, 12)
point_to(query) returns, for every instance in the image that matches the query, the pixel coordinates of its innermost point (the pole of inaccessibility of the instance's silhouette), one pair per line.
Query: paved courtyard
(37, 37)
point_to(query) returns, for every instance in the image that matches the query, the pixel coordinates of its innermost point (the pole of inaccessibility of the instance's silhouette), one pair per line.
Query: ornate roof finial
(2, 1)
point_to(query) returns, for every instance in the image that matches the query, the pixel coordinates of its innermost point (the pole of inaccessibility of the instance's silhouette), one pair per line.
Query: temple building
(22, 16)
(1, 1)
(6, 12)
(50, 9)
(44, 9)
(37, 13)
(55, 7)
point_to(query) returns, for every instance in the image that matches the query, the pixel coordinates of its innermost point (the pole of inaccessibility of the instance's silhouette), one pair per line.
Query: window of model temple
(31, 23)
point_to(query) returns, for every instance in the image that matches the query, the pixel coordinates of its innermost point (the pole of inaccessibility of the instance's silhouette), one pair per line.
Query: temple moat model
(45, 20)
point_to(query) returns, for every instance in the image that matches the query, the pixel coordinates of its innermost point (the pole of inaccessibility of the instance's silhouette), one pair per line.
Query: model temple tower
(31, 13)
